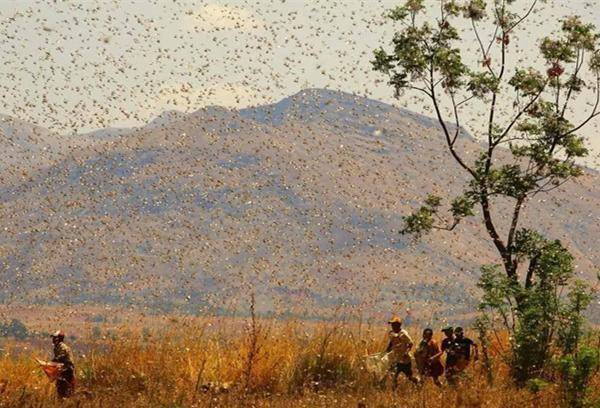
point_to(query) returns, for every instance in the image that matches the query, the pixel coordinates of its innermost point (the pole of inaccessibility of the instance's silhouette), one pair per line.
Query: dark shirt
(446, 343)
(462, 347)
(447, 346)
(62, 354)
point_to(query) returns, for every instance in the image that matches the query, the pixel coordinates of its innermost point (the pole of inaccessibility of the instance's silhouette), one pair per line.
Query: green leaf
(419, 222)
(452, 8)
(528, 82)
(482, 83)
(398, 13)
(575, 146)
(557, 50)
(578, 34)
(595, 63)
(475, 10)
(415, 5)
(433, 201)
(462, 207)
(382, 61)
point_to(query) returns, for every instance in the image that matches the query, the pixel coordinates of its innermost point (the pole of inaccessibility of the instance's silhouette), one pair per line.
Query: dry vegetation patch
(291, 364)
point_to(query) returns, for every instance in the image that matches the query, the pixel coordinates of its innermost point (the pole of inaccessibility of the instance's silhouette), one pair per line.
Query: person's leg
(70, 378)
(407, 370)
(382, 382)
(395, 373)
(451, 375)
(411, 377)
(65, 384)
(436, 381)
(62, 388)
(70, 388)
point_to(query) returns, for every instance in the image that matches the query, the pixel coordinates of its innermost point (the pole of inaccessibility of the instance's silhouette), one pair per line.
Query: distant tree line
(14, 328)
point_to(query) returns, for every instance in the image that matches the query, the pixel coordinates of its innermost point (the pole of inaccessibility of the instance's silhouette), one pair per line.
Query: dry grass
(293, 364)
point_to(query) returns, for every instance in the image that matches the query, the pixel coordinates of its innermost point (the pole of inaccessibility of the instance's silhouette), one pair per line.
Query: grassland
(248, 363)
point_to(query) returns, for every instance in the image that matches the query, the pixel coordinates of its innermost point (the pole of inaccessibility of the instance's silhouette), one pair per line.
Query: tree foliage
(577, 371)
(530, 119)
(15, 328)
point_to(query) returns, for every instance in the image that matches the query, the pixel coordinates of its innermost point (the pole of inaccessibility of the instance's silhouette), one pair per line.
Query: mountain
(300, 202)
(23, 142)
(27, 147)
(311, 105)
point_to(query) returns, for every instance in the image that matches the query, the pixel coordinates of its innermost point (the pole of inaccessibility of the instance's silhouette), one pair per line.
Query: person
(398, 348)
(447, 347)
(462, 349)
(65, 383)
(428, 356)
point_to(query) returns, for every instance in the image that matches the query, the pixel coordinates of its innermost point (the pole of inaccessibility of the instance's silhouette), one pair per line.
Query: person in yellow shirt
(398, 348)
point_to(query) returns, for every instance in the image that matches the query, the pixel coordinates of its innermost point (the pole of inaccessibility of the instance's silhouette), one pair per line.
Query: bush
(325, 363)
(96, 332)
(541, 323)
(577, 371)
(322, 371)
(15, 328)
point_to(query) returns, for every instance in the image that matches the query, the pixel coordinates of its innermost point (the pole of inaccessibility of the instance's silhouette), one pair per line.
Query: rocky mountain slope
(300, 201)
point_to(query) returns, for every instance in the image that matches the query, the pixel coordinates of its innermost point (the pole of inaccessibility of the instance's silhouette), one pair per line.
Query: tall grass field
(253, 363)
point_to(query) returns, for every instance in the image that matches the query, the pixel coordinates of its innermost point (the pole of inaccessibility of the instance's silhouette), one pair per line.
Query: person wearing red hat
(65, 384)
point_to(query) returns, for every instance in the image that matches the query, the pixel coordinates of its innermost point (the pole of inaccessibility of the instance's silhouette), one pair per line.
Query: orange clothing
(425, 351)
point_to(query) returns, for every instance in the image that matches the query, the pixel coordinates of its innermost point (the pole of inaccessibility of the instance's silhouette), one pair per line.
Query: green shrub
(577, 371)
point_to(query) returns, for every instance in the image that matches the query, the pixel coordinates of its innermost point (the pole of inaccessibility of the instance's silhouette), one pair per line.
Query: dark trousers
(65, 384)
(404, 368)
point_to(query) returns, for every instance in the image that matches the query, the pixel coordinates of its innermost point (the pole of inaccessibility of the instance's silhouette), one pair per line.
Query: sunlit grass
(295, 364)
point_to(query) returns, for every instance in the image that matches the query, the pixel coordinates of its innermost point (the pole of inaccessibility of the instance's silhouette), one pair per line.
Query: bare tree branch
(446, 228)
(465, 100)
(518, 116)
(543, 188)
(520, 20)
(530, 272)
(456, 119)
(515, 220)
(491, 145)
(493, 233)
(416, 88)
(592, 115)
(578, 65)
(483, 51)
(440, 118)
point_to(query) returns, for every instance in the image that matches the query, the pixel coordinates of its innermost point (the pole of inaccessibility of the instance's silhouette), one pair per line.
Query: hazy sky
(82, 65)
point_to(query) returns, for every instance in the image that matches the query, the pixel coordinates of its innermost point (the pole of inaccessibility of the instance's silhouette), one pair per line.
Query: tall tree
(528, 116)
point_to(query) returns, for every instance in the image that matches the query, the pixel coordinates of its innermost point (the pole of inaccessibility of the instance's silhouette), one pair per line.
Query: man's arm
(389, 347)
(409, 342)
(441, 350)
(438, 351)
